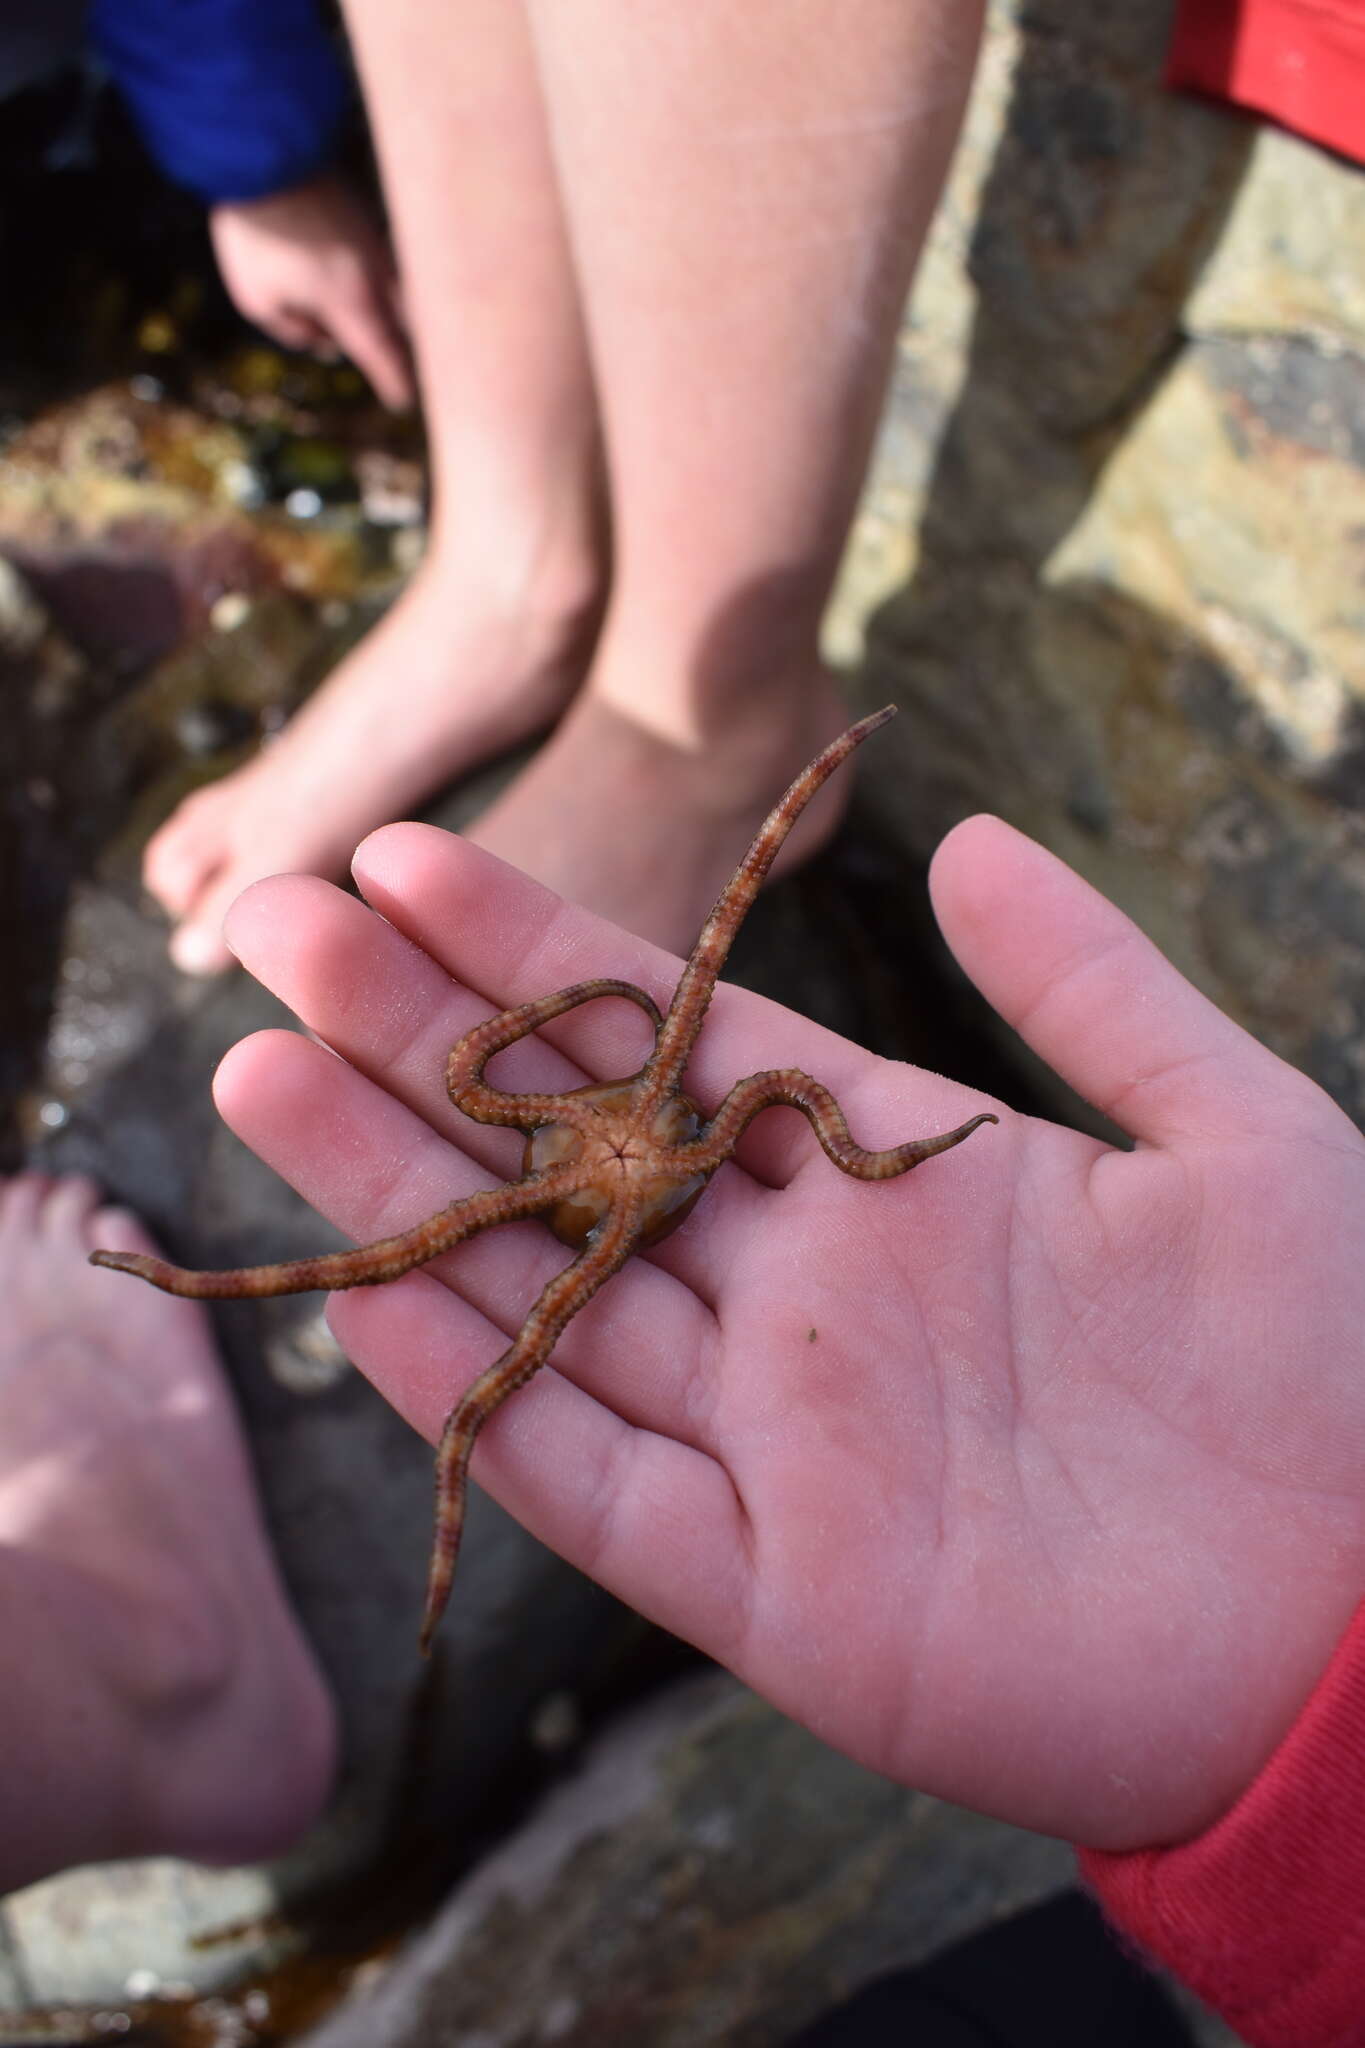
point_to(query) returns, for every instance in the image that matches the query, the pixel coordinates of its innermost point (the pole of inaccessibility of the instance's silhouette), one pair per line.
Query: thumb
(1094, 998)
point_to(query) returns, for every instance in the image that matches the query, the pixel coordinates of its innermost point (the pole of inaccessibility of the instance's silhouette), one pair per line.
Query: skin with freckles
(612, 1167)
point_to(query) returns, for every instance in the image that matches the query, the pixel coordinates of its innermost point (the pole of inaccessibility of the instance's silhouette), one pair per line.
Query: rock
(1288, 258)
(80, 1937)
(712, 1873)
(1117, 589)
(135, 517)
(37, 661)
(1199, 515)
(208, 725)
(1103, 194)
(1081, 201)
(23, 621)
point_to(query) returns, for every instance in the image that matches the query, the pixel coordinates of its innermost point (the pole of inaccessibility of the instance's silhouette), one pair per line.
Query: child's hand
(1036, 1478)
(311, 268)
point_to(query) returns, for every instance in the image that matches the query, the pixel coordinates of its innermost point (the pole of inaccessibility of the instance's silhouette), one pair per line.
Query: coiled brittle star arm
(465, 1083)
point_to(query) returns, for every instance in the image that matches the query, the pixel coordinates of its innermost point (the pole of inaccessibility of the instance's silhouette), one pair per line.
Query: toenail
(196, 951)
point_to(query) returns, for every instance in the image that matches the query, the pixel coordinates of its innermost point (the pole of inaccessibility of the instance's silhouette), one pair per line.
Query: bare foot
(158, 1696)
(444, 682)
(646, 831)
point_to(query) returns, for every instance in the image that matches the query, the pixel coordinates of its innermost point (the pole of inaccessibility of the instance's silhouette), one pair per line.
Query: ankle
(705, 668)
(235, 1751)
(234, 1781)
(747, 724)
(546, 579)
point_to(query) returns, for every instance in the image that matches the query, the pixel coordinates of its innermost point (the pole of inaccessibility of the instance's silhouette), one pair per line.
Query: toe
(178, 877)
(70, 1204)
(197, 946)
(22, 1200)
(181, 859)
(113, 1229)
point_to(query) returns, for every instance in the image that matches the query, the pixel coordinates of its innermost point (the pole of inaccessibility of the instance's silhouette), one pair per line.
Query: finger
(292, 329)
(374, 1169)
(197, 945)
(396, 298)
(388, 1008)
(497, 931)
(392, 1012)
(649, 1517)
(1095, 999)
(180, 860)
(364, 331)
(385, 1005)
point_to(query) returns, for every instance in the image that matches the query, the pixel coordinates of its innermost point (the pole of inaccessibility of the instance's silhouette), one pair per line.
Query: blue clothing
(236, 99)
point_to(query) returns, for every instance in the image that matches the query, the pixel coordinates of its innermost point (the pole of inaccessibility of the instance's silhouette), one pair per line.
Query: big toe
(112, 1228)
(70, 1204)
(176, 875)
(197, 947)
(180, 859)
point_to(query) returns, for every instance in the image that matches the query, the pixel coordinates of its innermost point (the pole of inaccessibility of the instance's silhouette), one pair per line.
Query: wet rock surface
(712, 1873)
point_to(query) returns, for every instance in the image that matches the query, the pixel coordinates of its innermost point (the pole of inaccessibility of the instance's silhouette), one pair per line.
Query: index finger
(375, 346)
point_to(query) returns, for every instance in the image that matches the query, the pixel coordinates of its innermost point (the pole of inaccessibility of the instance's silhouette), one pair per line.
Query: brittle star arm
(612, 1245)
(485, 1104)
(678, 1033)
(788, 1087)
(368, 1265)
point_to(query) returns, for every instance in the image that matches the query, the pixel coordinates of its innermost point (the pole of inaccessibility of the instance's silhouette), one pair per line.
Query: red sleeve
(1264, 1915)
(1300, 61)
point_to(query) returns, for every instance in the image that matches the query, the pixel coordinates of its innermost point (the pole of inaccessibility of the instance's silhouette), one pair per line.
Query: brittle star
(612, 1167)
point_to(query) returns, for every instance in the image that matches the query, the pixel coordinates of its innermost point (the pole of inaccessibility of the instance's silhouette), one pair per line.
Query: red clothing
(1264, 1915)
(1300, 61)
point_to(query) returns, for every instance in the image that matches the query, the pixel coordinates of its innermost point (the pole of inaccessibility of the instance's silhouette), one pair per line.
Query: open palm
(1036, 1478)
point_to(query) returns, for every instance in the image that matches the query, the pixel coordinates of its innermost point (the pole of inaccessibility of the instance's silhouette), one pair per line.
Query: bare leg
(158, 1696)
(747, 189)
(492, 637)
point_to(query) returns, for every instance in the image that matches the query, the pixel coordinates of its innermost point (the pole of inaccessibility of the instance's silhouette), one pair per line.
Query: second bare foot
(159, 1696)
(646, 830)
(442, 684)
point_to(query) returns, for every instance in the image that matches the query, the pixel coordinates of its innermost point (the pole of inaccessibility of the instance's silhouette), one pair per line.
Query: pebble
(23, 620)
(207, 728)
(556, 1724)
(303, 503)
(229, 611)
